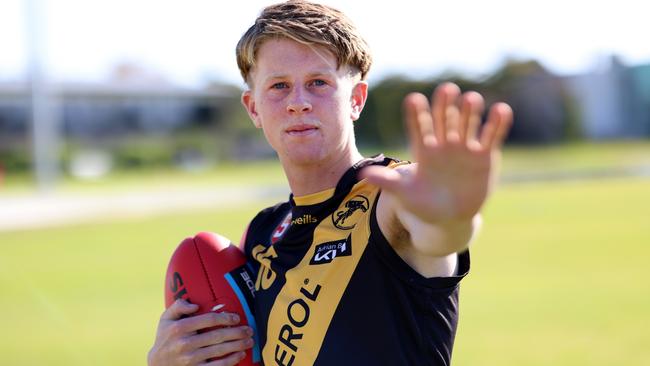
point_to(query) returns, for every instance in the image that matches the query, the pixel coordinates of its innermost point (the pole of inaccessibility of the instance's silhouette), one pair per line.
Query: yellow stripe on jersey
(314, 198)
(306, 303)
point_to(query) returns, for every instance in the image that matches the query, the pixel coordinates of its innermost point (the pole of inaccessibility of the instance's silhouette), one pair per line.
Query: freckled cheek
(271, 111)
(329, 104)
(343, 111)
(268, 103)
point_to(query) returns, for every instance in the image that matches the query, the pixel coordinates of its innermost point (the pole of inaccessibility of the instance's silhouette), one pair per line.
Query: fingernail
(242, 355)
(249, 342)
(249, 331)
(234, 318)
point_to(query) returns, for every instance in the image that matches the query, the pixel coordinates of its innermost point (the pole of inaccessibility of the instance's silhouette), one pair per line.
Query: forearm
(441, 238)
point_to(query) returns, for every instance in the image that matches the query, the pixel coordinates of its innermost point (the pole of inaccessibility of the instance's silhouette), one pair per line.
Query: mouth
(301, 130)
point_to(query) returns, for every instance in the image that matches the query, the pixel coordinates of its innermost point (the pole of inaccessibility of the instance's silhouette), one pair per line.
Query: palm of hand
(449, 182)
(455, 164)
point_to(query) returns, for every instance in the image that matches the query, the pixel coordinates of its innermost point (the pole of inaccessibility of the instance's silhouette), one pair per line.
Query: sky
(191, 42)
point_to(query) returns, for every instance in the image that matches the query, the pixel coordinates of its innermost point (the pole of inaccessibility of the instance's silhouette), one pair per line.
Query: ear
(249, 104)
(358, 99)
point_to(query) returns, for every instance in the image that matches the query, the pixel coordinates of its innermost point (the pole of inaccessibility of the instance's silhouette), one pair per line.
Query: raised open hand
(456, 157)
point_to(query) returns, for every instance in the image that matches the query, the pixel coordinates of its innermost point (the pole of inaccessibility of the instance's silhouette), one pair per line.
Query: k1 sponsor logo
(326, 252)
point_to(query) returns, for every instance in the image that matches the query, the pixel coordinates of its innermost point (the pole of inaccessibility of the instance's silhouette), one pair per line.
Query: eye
(280, 85)
(318, 82)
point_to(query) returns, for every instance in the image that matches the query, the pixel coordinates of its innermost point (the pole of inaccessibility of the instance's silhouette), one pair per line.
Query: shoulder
(387, 223)
(270, 213)
(264, 223)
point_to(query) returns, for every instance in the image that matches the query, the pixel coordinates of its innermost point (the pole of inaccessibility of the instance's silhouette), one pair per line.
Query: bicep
(416, 245)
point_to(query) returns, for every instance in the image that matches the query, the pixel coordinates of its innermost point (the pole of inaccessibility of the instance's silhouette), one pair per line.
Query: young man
(362, 264)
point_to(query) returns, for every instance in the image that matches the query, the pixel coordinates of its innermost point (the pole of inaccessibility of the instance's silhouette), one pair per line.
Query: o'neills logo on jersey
(346, 217)
(281, 229)
(326, 252)
(304, 219)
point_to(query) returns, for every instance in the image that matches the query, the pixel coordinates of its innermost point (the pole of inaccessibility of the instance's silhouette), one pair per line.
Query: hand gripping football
(208, 270)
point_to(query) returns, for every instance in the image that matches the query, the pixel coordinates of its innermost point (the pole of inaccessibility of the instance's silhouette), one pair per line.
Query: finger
(470, 115)
(473, 126)
(414, 104)
(452, 124)
(452, 117)
(231, 360)
(498, 123)
(504, 127)
(444, 102)
(179, 308)
(208, 320)
(221, 335)
(222, 349)
(385, 178)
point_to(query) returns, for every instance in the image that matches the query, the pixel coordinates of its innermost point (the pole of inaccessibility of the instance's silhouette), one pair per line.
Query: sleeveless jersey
(332, 291)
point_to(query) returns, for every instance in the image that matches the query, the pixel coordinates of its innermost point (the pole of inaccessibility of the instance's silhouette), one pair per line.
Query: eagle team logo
(346, 217)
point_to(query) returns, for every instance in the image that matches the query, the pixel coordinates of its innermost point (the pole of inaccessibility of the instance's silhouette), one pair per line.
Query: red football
(208, 270)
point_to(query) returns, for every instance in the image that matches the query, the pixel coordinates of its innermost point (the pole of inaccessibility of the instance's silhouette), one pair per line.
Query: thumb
(179, 308)
(385, 178)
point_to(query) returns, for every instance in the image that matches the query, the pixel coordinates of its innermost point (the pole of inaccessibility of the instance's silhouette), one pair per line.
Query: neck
(306, 179)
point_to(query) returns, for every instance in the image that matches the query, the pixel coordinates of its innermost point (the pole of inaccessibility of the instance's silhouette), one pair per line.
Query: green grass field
(559, 276)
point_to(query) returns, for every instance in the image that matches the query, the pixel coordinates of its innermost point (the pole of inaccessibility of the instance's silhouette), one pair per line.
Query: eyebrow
(312, 74)
(320, 73)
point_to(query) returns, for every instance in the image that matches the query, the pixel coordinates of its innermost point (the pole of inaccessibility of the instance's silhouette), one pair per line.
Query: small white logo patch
(326, 252)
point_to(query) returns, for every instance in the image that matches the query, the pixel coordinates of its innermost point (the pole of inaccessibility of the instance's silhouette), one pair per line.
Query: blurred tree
(381, 124)
(544, 112)
(238, 139)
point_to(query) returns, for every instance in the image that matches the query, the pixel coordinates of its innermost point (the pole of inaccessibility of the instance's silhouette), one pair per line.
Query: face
(304, 103)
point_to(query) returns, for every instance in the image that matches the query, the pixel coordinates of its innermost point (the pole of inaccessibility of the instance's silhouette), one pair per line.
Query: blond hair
(310, 24)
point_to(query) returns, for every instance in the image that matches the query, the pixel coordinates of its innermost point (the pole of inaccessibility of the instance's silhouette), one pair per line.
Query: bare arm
(431, 209)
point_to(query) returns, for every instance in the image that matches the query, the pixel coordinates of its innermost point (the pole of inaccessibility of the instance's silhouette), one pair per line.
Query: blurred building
(613, 101)
(104, 110)
(97, 115)
(14, 115)
(641, 85)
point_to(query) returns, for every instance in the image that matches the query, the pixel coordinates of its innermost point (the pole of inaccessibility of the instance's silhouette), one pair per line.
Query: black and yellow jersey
(332, 291)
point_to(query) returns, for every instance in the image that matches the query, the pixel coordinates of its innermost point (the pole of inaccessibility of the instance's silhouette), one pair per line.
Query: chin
(304, 155)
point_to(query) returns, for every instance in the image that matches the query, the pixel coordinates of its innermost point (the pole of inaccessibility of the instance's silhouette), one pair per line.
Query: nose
(298, 102)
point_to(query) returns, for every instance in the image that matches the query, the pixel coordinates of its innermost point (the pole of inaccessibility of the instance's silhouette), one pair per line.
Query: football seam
(205, 272)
